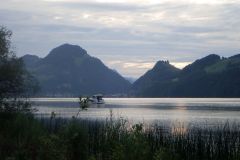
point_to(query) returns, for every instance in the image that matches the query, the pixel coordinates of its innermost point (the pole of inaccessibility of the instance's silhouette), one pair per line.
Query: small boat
(97, 99)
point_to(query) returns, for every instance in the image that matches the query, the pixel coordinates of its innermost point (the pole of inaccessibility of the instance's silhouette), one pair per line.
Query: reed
(115, 139)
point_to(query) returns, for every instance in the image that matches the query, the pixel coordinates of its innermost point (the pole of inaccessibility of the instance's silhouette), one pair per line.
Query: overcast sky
(127, 35)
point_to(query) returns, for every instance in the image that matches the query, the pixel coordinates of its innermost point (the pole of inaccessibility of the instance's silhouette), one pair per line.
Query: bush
(15, 82)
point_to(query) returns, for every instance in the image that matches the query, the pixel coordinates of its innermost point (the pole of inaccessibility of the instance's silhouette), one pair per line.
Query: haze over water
(201, 111)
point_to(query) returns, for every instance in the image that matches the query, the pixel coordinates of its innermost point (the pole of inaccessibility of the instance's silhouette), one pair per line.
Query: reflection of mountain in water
(188, 111)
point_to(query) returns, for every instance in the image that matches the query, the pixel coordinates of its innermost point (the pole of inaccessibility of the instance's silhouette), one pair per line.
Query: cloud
(138, 65)
(130, 67)
(180, 65)
(128, 35)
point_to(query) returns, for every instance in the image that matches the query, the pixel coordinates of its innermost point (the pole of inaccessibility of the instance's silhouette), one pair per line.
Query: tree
(16, 84)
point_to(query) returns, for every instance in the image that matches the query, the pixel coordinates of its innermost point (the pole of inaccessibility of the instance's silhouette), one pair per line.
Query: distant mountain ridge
(211, 76)
(68, 70)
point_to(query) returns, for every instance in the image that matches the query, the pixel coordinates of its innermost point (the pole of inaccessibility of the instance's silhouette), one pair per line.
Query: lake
(187, 111)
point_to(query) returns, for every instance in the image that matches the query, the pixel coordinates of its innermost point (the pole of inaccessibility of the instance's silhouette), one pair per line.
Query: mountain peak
(162, 65)
(68, 70)
(235, 56)
(200, 64)
(70, 46)
(162, 72)
(29, 56)
(29, 60)
(162, 62)
(212, 58)
(67, 50)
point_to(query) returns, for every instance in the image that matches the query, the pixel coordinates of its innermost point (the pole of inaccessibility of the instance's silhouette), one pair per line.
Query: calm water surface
(174, 110)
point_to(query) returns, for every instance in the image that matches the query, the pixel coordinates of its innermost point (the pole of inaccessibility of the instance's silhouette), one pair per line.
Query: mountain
(211, 76)
(30, 60)
(68, 70)
(158, 77)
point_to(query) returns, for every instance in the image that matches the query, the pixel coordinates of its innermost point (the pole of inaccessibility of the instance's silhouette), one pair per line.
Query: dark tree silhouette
(15, 82)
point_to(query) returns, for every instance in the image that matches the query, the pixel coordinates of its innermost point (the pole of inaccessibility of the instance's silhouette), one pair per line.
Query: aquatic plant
(26, 137)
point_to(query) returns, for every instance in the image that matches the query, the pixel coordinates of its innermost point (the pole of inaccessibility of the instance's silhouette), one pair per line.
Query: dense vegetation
(15, 81)
(210, 76)
(61, 139)
(69, 71)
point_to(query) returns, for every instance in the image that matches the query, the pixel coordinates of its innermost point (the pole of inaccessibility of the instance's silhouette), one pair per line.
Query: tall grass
(25, 137)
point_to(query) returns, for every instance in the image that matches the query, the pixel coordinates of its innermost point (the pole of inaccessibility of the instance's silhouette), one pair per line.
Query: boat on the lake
(97, 99)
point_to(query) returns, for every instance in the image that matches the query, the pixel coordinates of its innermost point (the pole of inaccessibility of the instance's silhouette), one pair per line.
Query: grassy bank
(24, 137)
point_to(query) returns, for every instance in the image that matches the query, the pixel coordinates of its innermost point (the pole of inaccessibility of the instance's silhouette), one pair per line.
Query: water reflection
(187, 111)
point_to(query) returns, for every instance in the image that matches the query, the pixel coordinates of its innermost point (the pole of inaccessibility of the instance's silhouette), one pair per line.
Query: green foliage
(19, 136)
(75, 139)
(24, 137)
(15, 82)
(164, 154)
(5, 43)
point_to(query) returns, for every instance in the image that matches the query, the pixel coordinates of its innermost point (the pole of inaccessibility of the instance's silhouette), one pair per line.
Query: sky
(129, 36)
